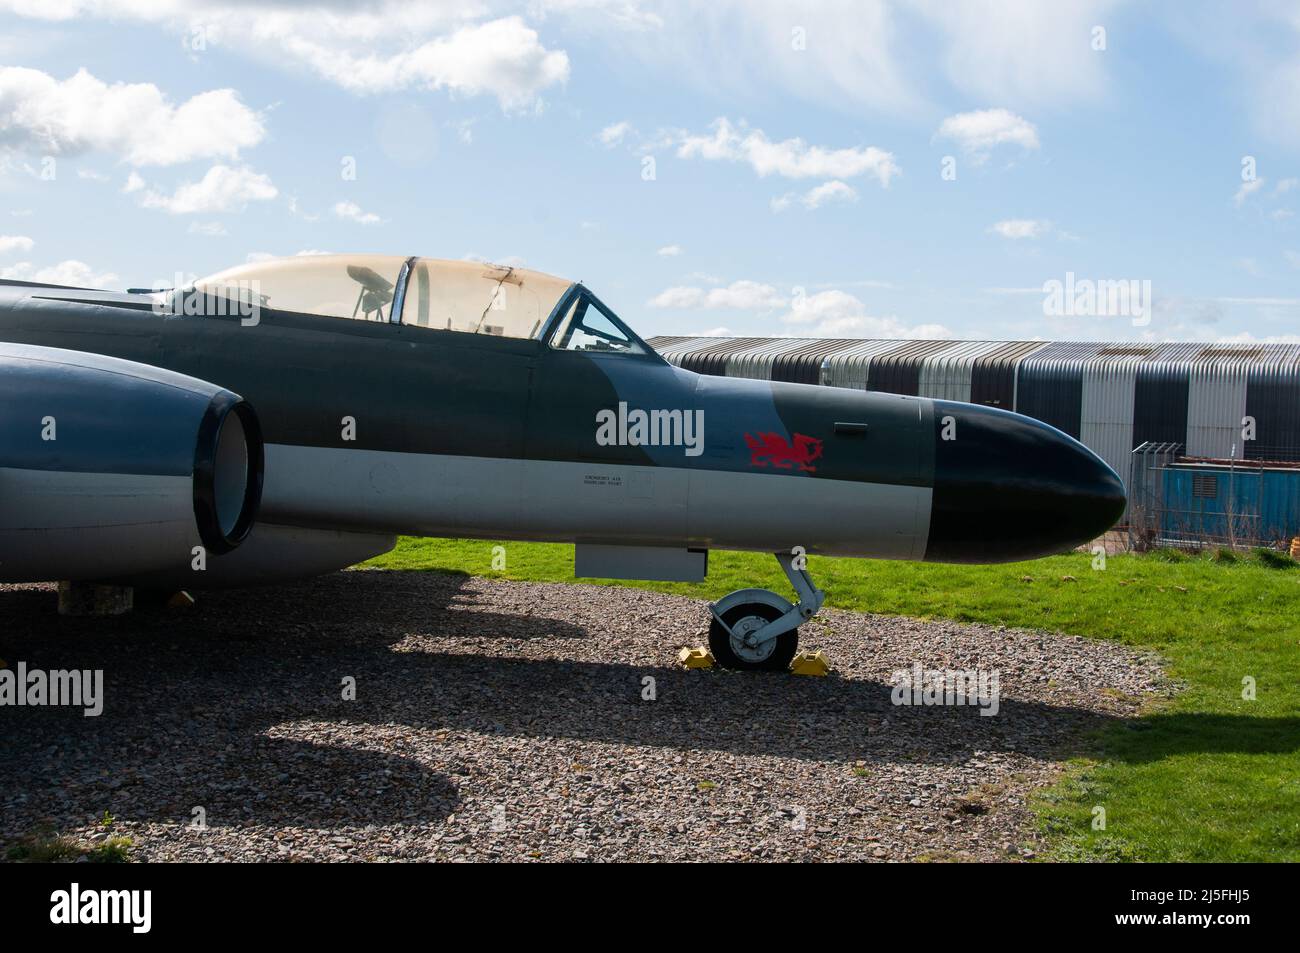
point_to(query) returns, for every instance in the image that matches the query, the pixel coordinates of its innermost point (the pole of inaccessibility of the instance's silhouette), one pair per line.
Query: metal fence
(1146, 492)
(1193, 503)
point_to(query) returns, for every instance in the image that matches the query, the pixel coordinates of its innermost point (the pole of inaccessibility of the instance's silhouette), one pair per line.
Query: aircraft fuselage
(380, 427)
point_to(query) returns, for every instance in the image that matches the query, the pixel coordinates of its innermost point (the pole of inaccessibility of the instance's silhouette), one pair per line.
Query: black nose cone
(1008, 487)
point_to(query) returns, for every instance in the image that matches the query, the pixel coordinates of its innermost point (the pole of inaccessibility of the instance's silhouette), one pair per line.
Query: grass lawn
(1207, 776)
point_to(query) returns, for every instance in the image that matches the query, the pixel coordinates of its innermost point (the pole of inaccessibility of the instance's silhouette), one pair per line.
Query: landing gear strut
(757, 630)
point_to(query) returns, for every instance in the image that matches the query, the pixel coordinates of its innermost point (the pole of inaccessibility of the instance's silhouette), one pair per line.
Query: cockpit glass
(589, 326)
(336, 286)
(470, 297)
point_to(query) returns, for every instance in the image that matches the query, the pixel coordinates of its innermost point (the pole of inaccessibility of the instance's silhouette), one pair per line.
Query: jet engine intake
(114, 468)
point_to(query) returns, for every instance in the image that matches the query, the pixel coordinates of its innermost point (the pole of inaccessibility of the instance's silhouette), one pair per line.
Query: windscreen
(479, 298)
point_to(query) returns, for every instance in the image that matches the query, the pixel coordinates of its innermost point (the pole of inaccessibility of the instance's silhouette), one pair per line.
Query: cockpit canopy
(465, 296)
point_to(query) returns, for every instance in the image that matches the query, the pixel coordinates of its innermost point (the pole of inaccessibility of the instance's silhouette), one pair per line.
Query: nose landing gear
(757, 630)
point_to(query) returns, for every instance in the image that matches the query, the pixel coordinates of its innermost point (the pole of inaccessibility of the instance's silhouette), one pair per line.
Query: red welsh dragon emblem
(776, 449)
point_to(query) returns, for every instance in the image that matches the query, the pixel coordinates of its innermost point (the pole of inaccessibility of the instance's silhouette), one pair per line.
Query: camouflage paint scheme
(474, 434)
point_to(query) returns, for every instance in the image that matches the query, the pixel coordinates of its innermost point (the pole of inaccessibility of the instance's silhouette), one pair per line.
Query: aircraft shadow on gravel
(219, 677)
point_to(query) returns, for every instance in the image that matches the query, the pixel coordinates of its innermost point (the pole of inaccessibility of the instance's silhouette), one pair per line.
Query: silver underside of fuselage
(493, 498)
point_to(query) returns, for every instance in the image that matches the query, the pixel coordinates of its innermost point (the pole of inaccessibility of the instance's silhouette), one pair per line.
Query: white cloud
(832, 191)
(503, 58)
(739, 295)
(133, 121)
(366, 47)
(1018, 228)
(979, 132)
(669, 251)
(1023, 52)
(789, 158)
(826, 313)
(134, 183)
(91, 175)
(855, 56)
(352, 212)
(614, 134)
(837, 313)
(1246, 190)
(1285, 185)
(746, 47)
(222, 189)
(69, 272)
(10, 243)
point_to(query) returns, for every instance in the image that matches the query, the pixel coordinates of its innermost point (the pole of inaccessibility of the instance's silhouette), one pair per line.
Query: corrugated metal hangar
(1113, 396)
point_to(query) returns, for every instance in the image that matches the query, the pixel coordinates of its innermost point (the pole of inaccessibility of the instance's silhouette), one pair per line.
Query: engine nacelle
(112, 468)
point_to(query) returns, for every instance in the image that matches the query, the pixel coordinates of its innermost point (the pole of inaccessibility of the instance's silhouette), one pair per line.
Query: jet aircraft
(287, 418)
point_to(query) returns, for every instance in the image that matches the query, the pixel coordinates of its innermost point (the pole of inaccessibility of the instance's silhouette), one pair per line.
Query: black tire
(778, 660)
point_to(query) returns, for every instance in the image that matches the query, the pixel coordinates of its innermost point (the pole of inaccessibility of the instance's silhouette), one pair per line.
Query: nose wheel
(732, 639)
(757, 630)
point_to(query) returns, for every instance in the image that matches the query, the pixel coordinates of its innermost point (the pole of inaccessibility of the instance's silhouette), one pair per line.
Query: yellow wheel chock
(810, 663)
(696, 658)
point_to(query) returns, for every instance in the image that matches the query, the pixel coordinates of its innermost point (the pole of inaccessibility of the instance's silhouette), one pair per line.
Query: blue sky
(797, 151)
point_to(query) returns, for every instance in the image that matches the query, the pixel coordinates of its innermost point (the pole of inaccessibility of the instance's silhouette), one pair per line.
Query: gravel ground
(504, 720)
